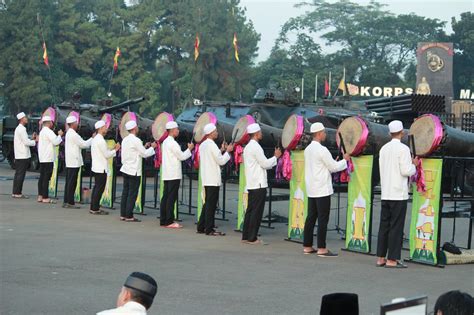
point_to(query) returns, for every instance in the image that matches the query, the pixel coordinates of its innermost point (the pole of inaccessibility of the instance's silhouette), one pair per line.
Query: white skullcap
(171, 125)
(130, 124)
(99, 124)
(253, 128)
(71, 119)
(209, 128)
(46, 118)
(20, 115)
(395, 126)
(316, 127)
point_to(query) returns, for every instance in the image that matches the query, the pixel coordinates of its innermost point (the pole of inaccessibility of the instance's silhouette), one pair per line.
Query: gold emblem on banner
(435, 63)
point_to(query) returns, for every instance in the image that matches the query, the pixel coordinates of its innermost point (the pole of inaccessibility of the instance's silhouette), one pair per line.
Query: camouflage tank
(271, 108)
(89, 114)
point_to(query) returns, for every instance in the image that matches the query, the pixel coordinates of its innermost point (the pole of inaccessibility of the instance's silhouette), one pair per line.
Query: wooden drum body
(432, 136)
(361, 136)
(158, 128)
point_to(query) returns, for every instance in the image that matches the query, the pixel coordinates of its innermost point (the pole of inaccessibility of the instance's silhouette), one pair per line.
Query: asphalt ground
(66, 261)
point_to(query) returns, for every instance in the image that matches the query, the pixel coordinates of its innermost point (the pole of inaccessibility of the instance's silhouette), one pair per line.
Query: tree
(375, 46)
(463, 39)
(22, 72)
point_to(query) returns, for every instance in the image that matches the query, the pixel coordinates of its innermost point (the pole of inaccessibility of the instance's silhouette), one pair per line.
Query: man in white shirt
(396, 166)
(210, 161)
(256, 165)
(136, 296)
(100, 155)
(73, 146)
(133, 152)
(21, 148)
(171, 174)
(46, 143)
(318, 166)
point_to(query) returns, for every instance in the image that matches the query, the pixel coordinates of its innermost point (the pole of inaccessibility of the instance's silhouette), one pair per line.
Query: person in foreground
(136, 296)
(454, 303)
(319, 165)
(396, 166)
(21, 149)
(256, 165)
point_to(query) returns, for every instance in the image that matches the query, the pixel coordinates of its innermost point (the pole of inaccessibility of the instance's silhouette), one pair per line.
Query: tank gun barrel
(121, 105)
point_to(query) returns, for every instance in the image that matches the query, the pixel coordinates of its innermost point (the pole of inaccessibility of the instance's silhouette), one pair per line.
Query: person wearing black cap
(136, 296)
(340, 303)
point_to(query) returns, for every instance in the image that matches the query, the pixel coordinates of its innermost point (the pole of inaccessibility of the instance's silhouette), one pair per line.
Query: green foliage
(156, 39)
(375, 46)
(463, 39)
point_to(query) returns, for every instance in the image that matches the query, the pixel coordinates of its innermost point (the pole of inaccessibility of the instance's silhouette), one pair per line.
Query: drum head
(158, 128)
(78, 117)
(239, 133)
(107, 118)
(292, 131)
(425, 130)
(128, 116)
(204, 119)
(354, 132)
(51, 112)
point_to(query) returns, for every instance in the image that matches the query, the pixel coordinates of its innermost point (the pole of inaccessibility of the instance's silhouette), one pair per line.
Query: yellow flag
(342, 86)
(236, 48)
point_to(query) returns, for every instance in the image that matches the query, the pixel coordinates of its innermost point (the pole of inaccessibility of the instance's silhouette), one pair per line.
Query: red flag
(117, 55)
(196, 47)
(326, 87)
(45, 55)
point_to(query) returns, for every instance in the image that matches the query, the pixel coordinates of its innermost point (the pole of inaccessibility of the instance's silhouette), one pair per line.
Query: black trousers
(70, 185)
(253, 215)
(46, 170)
(98, 190)
(168, 200)
(21, 165)
(318, 209)
(392, 220)
(208, 213)
(131, 184)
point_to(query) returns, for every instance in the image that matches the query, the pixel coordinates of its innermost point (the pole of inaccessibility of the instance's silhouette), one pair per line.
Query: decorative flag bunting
(45, 55)
(236, 48)
(196, 47)
(117, 55)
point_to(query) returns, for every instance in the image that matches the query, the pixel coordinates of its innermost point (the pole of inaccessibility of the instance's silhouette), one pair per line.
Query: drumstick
(235, 135)
(274, 141)
(194, 135)
(223, 133)
(343, 147)
(411, 139)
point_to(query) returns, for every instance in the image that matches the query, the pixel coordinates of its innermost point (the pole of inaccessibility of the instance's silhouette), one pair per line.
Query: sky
(269, 15)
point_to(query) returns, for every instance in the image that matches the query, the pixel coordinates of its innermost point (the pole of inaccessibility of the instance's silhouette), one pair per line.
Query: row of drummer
(396, 166)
